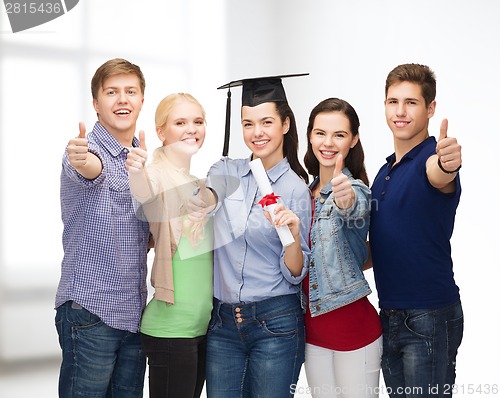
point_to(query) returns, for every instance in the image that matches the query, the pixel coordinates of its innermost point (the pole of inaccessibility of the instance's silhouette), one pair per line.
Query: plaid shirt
(105, 245)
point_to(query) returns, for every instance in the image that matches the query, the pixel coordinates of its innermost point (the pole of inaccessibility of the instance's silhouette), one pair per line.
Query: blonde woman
(174, 323)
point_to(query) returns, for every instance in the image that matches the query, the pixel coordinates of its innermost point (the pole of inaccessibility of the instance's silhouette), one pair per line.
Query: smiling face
(118, 104)
(184, 130)
(407, 114)
(331, 135)
(263, 132)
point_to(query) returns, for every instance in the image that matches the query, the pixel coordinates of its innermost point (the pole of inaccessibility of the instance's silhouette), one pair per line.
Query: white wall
(348, 47)
(45, 78)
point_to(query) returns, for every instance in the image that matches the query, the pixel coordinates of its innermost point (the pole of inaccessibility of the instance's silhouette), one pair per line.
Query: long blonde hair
(182, 182)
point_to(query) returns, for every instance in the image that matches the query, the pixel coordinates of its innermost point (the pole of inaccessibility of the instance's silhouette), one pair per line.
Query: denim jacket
(338, 249)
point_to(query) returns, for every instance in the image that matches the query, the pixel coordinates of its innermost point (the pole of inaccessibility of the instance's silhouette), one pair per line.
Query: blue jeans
(255, 349)
(420, 349)
(97, 360)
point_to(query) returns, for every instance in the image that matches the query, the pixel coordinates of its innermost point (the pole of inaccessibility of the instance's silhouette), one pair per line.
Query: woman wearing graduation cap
(255, 343)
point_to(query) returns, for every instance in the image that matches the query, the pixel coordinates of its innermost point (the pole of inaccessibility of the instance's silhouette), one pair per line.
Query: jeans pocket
(454, 332)
(80, 317)
(58, 321)
(281, 325)
(421, 324)
(215, 322)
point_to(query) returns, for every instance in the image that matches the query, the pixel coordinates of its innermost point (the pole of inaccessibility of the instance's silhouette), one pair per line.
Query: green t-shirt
(193, 290)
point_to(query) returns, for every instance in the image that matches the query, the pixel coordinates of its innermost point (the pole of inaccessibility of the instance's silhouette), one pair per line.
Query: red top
(347, 328)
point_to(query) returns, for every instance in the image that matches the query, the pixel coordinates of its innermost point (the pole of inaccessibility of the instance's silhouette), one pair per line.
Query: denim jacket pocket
(327, 223)
(338, 254)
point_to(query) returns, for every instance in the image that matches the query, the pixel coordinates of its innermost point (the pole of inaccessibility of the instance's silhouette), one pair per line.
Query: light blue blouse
(249, 257)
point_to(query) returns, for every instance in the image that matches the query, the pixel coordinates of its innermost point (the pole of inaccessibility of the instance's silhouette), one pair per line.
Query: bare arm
(449, 154)
(368, 263)
(294, 257)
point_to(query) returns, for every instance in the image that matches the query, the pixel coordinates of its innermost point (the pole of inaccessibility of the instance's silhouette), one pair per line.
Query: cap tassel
(225, 150)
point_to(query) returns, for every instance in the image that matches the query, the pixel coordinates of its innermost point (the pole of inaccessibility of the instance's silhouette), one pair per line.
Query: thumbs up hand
(448, 150)
(341, 185)
(137, 157)
(78, 149)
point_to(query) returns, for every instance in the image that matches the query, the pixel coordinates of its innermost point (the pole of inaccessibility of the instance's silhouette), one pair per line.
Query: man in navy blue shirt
(415, 197)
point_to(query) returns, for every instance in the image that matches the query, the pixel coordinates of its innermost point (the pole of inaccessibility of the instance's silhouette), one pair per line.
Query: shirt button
(312, 264)
(318, 308)
(322, 200)
(314, 286)
(387, 178)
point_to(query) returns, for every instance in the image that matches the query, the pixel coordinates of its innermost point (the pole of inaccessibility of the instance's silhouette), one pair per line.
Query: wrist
(448, 171)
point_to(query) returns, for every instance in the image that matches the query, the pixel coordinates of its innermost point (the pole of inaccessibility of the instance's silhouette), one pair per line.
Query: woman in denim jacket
(343, 331)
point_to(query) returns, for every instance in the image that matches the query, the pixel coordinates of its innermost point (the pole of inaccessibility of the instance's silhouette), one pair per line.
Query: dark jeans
(97, 360)
(420, 349)
(256, 349)
(176, 366)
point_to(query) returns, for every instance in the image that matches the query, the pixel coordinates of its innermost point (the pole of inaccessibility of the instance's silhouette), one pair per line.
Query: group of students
(234, 307)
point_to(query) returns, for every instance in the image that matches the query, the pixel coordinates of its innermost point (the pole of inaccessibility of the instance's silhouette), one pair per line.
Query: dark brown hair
(291, 140)
(414, 73)
(355, 159)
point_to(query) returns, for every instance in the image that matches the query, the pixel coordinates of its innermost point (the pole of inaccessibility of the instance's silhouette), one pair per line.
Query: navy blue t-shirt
(410, 230)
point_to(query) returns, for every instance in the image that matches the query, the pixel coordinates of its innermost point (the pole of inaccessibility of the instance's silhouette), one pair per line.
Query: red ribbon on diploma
(269, 199)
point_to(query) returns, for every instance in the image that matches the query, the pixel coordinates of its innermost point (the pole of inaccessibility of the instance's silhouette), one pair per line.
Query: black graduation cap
(256, 91)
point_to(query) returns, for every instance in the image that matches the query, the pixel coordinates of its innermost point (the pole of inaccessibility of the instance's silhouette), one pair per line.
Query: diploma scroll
(269, 199)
